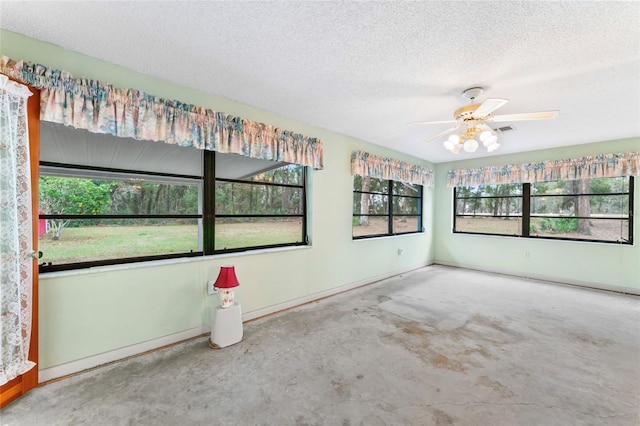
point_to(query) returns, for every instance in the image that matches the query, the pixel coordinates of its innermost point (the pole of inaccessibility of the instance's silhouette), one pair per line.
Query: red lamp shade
(227, 278)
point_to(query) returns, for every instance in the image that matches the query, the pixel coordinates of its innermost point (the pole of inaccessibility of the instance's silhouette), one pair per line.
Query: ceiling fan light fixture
(470, 145)
(490, 140)
(454, 139)
(448, 144)
(493, 147)
(484, 135)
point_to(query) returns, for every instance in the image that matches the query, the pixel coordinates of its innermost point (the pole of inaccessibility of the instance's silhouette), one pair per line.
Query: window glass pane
(369, 184)
(551, 188)
(130, 197)
(584, 186)
(405, 205)
(357, 182)
(489, 206)
(67, 195)
(583, 205)
(563, 206)
(370, 225)
(583, 229)
(489, 190)
(291, 174)
(256, 199)
(88, 196)
(91, 239)
(489, 225)
(370, 203)
(472, 206)
(608, 185)
(609, 205)
(233, 233)
(402, 188)
(405, 224)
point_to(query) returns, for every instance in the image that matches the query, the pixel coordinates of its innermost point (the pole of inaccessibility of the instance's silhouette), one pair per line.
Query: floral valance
(365, 164)
(101, 108)
(596, 166)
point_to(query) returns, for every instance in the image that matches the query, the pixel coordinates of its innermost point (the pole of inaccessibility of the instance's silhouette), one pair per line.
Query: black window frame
(207, 215)
(209, 224)
(526, 216)
(54, 267)
(390, 214)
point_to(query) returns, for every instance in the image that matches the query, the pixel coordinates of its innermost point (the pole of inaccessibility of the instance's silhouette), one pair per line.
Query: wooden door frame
(29, 380)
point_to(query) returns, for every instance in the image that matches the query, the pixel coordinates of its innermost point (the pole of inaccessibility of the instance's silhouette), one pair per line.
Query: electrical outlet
(400, 251)
(210, 288)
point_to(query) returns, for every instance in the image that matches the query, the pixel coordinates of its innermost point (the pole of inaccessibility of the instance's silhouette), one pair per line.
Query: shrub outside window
(385, 207)
(599, 210)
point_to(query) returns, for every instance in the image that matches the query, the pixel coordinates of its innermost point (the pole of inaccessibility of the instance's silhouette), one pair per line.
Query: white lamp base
(226, 326)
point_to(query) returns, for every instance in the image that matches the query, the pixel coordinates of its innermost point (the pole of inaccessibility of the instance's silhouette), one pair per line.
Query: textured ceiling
(366, 69)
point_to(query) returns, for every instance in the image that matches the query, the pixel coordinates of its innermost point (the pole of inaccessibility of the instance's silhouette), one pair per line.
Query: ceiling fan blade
(442, 133)
(488, 106)
(424, 123)
(525, 116)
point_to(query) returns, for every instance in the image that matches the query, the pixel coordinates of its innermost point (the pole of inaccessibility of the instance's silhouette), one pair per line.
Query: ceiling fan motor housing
(466, 112)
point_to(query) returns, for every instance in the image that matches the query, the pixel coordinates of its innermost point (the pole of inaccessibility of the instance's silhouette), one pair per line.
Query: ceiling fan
(471, 121)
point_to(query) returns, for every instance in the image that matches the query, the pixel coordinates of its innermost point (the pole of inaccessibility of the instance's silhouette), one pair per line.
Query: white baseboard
(77, 366)
(576, 283)
(118, 354)
(326, 293)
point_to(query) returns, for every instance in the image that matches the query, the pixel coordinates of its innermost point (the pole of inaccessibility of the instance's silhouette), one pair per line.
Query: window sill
(382, 237)
(537, 238)
(165, 262)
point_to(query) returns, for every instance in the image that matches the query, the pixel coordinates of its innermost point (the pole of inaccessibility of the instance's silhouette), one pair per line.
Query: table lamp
(226, 281)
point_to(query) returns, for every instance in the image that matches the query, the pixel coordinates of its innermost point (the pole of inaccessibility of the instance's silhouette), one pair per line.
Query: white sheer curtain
(15, 231)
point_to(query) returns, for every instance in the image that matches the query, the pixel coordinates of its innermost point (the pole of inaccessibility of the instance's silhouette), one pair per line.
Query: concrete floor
(437, 346)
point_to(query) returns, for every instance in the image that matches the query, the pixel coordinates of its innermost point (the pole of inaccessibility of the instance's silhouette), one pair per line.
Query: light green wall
(597, 264)
(86, 313)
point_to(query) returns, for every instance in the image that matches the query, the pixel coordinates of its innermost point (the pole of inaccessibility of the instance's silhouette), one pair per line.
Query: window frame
(526, 216)
(522, 216)
(54, 267)
(210, 182)
(390, 215)
(206, 207)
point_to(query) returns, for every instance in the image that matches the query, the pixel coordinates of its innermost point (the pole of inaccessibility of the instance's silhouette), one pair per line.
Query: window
(93, 216)
(385, 207)
(119, 201)
(588, 210)
(489, 209)
(263, 207)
